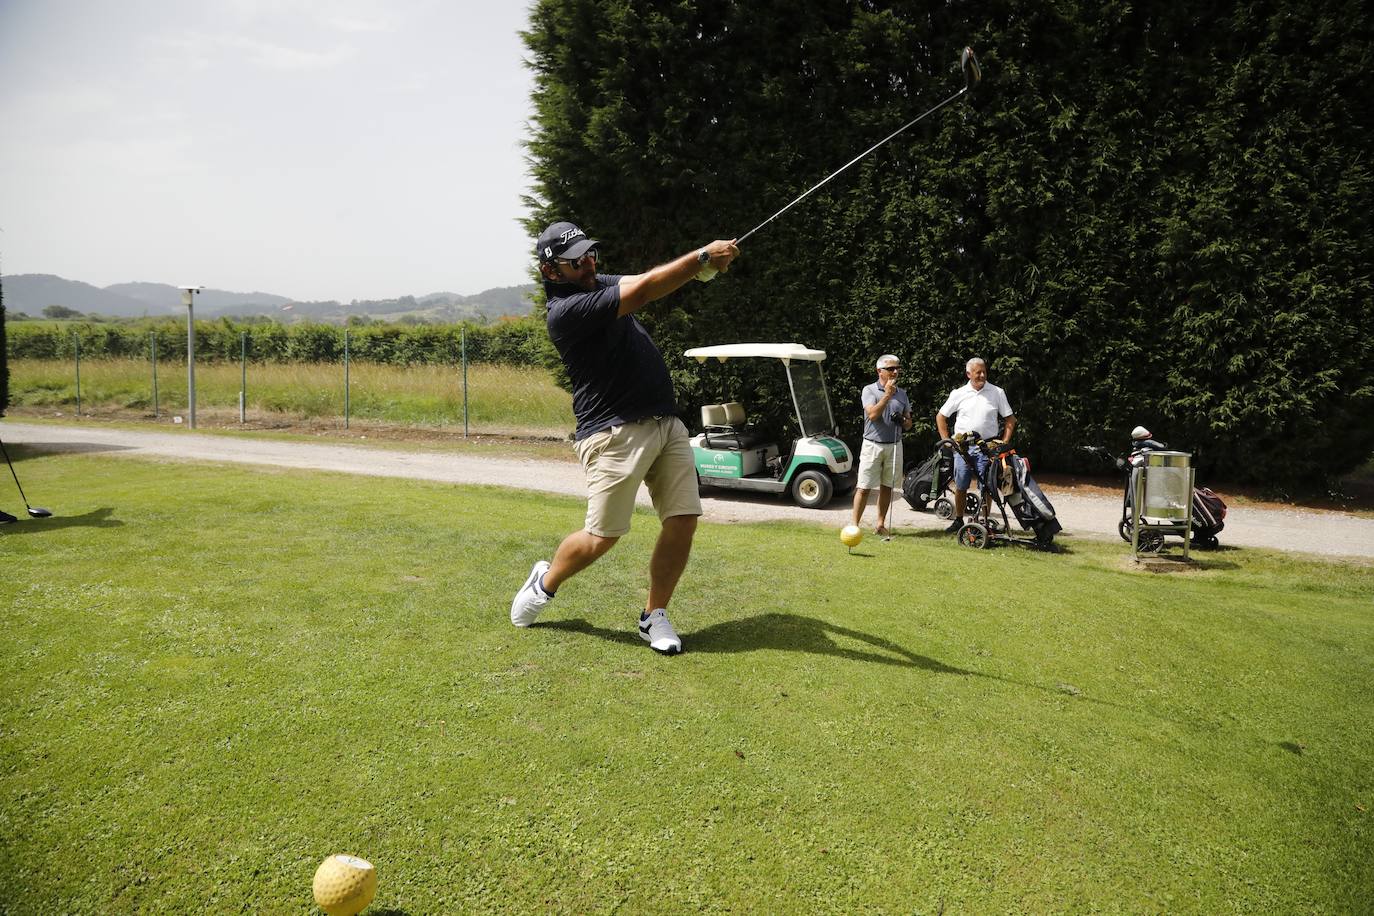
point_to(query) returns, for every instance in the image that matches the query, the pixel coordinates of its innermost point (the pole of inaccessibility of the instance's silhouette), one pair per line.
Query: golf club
(33, 512)
(972, 75)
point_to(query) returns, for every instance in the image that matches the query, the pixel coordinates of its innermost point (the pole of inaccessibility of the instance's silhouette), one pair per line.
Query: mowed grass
(509, 398)
(213, 677)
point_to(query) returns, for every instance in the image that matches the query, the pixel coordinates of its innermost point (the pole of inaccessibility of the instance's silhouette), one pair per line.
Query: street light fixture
(188, 294)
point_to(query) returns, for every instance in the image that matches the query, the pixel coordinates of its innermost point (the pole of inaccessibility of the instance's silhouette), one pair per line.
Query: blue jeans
(964, 470)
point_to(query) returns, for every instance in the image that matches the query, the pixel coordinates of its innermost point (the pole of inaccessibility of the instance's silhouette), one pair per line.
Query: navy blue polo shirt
(618, 376)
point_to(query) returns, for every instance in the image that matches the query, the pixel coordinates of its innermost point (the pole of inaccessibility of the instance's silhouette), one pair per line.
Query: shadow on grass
(25, 450)
(795, 633)
(783, 632)
(96, 518)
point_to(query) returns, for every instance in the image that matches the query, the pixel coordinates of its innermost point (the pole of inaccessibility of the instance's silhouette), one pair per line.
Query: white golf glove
(707, 273)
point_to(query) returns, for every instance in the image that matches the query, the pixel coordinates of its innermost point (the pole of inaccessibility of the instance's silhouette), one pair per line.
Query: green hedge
(512, 342)
(1146, 213)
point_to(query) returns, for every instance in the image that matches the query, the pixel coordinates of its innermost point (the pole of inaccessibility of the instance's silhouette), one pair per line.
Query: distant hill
(167, 298)
(31, 293)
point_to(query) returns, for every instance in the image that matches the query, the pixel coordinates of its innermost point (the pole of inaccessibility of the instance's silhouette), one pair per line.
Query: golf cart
(731, 456)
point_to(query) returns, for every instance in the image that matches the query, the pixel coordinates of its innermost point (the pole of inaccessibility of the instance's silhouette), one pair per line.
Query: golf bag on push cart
(1007, 482)
(1209, 512)
(932, 481)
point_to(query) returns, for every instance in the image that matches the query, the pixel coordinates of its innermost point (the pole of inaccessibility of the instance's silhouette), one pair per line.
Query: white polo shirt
(977, 411)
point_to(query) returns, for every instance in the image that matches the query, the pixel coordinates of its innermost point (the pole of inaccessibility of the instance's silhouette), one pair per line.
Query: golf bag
(1209, 514)
(1026, 500)
(926, 482)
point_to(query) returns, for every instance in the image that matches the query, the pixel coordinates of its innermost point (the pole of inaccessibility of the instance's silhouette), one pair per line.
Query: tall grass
(499, 398)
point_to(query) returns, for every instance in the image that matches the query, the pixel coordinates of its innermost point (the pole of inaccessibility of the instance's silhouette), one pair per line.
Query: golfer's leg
(860, 503)
(672, 483)
(578, 551)
(671, 551)
(884, 500)
(960, 497)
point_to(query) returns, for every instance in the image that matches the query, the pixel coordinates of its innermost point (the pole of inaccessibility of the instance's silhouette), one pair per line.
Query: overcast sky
(328, 150)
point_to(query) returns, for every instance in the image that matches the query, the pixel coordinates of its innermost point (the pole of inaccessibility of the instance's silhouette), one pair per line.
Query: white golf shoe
(659, 633)
(531, 598)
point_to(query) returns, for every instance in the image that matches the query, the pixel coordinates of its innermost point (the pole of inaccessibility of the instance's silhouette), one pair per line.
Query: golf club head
(35, 512)
(972, 72)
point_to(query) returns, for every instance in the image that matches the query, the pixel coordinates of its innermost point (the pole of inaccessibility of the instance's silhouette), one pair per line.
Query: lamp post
(188, 294)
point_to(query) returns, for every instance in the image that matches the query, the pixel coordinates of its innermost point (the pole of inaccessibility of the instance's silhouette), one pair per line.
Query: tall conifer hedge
(1149, 213)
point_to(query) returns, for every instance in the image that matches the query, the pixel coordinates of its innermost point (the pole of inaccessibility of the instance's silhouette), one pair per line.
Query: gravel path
(1082, 515)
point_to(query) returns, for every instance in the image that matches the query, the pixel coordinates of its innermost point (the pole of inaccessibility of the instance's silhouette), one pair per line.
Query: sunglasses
(892, 368)
(578, 262)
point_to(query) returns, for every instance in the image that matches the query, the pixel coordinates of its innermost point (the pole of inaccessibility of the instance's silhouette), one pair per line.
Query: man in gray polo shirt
(887, 414)
(628, 431)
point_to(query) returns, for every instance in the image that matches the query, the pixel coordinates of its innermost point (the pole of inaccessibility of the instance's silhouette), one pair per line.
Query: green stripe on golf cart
(801, 463)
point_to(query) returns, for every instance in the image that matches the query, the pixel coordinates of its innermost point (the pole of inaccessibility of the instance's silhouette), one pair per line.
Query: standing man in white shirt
(978, 407)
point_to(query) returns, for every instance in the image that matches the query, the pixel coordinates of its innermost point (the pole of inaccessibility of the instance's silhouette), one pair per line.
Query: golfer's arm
(638, 290)
(874, 411)
(1008, 427)
(942, 424)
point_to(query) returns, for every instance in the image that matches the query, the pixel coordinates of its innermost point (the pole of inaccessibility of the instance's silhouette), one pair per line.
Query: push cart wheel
(1124, 529)
(994, 525)
(1209, 542)
(972, 503)
(1151, 542)
(944, 508)
(812, 489)
(973, 535)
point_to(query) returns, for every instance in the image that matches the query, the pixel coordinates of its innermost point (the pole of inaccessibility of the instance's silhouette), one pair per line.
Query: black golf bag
(1027, 501)
(933, 481)
(1209, 516)
(926, 482)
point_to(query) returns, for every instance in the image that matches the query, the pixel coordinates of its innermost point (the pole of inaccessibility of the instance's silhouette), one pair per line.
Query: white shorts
(879, 464)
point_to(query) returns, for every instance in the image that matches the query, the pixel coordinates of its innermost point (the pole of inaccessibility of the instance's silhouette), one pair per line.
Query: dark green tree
(1151, 214)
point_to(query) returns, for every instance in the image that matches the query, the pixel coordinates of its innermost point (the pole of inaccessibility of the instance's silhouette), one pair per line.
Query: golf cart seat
(724, 426)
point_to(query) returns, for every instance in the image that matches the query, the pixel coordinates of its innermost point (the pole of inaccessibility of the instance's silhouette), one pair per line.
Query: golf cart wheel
(1210, 542)
(973, 535)
(944, 508)
(994, 525)
(1124, 529)
(972, 503)
(812, 489)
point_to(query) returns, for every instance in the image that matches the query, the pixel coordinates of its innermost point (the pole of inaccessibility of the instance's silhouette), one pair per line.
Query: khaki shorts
(654, 450)
(878, 463)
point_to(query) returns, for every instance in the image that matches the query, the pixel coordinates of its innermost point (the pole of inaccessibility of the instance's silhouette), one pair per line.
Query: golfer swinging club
(627, 425)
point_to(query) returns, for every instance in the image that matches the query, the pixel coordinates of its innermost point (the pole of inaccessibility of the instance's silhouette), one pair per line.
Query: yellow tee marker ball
(851, 535)
(344, 885)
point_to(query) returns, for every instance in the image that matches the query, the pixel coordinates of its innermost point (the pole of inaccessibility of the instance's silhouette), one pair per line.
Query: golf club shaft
(13, 474)
(807, 193)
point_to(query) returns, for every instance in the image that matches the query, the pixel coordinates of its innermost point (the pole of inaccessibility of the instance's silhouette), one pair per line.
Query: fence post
(152, 335)
(243, 374)
(76, 338)
(346, 405)
(463, 342)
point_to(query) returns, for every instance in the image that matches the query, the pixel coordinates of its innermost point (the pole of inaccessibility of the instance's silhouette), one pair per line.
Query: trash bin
(1168, 496)
(1162, 501)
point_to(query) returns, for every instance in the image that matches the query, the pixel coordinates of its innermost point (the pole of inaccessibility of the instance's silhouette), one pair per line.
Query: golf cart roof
(782, 351)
